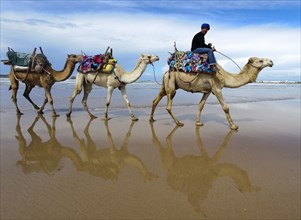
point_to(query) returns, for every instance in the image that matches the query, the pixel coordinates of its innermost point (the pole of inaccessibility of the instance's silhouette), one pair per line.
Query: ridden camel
(195, 175)
(118, 79)
(208, 83)
(45, 79)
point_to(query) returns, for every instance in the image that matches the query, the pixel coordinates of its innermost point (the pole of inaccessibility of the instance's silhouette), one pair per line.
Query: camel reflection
(39, 155)
(195, 175)
(108, 162)
(47, 155)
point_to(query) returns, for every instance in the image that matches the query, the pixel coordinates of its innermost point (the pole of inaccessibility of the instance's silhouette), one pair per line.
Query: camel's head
(148, 59)
(260, 62)
(74, 58)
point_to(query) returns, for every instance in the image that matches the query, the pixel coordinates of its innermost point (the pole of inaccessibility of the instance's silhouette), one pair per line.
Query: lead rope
(229, 58)
(154, 72)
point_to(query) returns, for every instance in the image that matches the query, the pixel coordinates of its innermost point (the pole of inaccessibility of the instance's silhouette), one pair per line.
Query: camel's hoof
(93, 116)
(180, 124)
(199, 124)
(134, 119)
(68, 114)
(152, 120)
(234, 127)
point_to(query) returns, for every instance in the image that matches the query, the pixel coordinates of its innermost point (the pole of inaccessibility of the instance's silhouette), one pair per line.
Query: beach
(119, 169)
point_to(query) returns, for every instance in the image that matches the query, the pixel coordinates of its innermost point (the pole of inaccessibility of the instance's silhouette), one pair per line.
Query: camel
(194, 175)
(45, 79)
(118, 79)
(207, 83)
(46, 155)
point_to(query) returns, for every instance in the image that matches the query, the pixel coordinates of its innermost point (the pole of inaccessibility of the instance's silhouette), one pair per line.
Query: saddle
(188, 62)
(26, 62)
(99, 63)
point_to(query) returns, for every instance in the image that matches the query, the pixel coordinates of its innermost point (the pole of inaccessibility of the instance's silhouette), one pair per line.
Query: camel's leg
(220, 98)
(109, 95)
(170, 96)
(14, 84)
(50, 101)
(87, 90)
(161, 94)
(28, 89)
(40, 111)
(77, 90)
(127, 102)
(169, 81)
(200, 108)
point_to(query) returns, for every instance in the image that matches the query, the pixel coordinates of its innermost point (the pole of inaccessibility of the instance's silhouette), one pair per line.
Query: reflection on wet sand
(107, 163)
(42, 155)
(194, 175)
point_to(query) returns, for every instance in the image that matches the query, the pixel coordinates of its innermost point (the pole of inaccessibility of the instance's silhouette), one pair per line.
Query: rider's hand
(213, 48)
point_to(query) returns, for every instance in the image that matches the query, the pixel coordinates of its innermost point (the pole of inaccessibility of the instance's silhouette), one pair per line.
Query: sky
(239, 29)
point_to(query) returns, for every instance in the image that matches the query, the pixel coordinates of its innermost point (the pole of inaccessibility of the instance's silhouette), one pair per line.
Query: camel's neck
(130, 77)
(63, 74)
(247, 75)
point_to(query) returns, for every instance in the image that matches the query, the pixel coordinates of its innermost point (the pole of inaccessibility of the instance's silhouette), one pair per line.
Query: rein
(154, 72)
(229, 59)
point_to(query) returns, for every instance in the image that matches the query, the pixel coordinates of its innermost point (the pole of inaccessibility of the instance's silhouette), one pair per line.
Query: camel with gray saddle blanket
(35, 70)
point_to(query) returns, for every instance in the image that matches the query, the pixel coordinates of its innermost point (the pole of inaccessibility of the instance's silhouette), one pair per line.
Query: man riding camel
(198, 46)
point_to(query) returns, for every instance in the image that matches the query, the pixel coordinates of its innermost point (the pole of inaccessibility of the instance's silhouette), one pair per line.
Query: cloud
(131, 34)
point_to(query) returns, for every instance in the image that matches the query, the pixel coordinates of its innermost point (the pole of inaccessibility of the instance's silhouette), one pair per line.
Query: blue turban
(207, 26)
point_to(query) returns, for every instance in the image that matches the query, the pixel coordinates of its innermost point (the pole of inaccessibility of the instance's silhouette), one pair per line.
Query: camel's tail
(9, 88)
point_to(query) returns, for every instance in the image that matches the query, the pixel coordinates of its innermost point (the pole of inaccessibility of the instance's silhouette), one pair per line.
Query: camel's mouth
(271, 64)
(156, 59)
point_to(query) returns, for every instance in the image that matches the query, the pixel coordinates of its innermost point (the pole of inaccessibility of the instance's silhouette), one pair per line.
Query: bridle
(259, 67)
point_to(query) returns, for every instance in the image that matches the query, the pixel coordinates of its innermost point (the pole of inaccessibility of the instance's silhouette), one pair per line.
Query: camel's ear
(251, 60)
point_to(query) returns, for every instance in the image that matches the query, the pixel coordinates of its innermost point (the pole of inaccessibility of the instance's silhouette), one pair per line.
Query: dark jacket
(198, 41)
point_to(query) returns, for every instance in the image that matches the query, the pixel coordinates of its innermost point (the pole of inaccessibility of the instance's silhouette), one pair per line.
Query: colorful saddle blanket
(94, 63)
(189, 62)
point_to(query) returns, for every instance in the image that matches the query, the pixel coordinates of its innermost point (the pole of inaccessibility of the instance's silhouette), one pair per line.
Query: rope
(228, 58)
(118, 79)
(190, 81)
(155, 75)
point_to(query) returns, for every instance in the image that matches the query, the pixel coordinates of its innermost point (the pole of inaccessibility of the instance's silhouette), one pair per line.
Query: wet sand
(82, 169)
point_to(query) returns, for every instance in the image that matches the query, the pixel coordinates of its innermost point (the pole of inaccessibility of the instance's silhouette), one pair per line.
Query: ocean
(141, 95)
